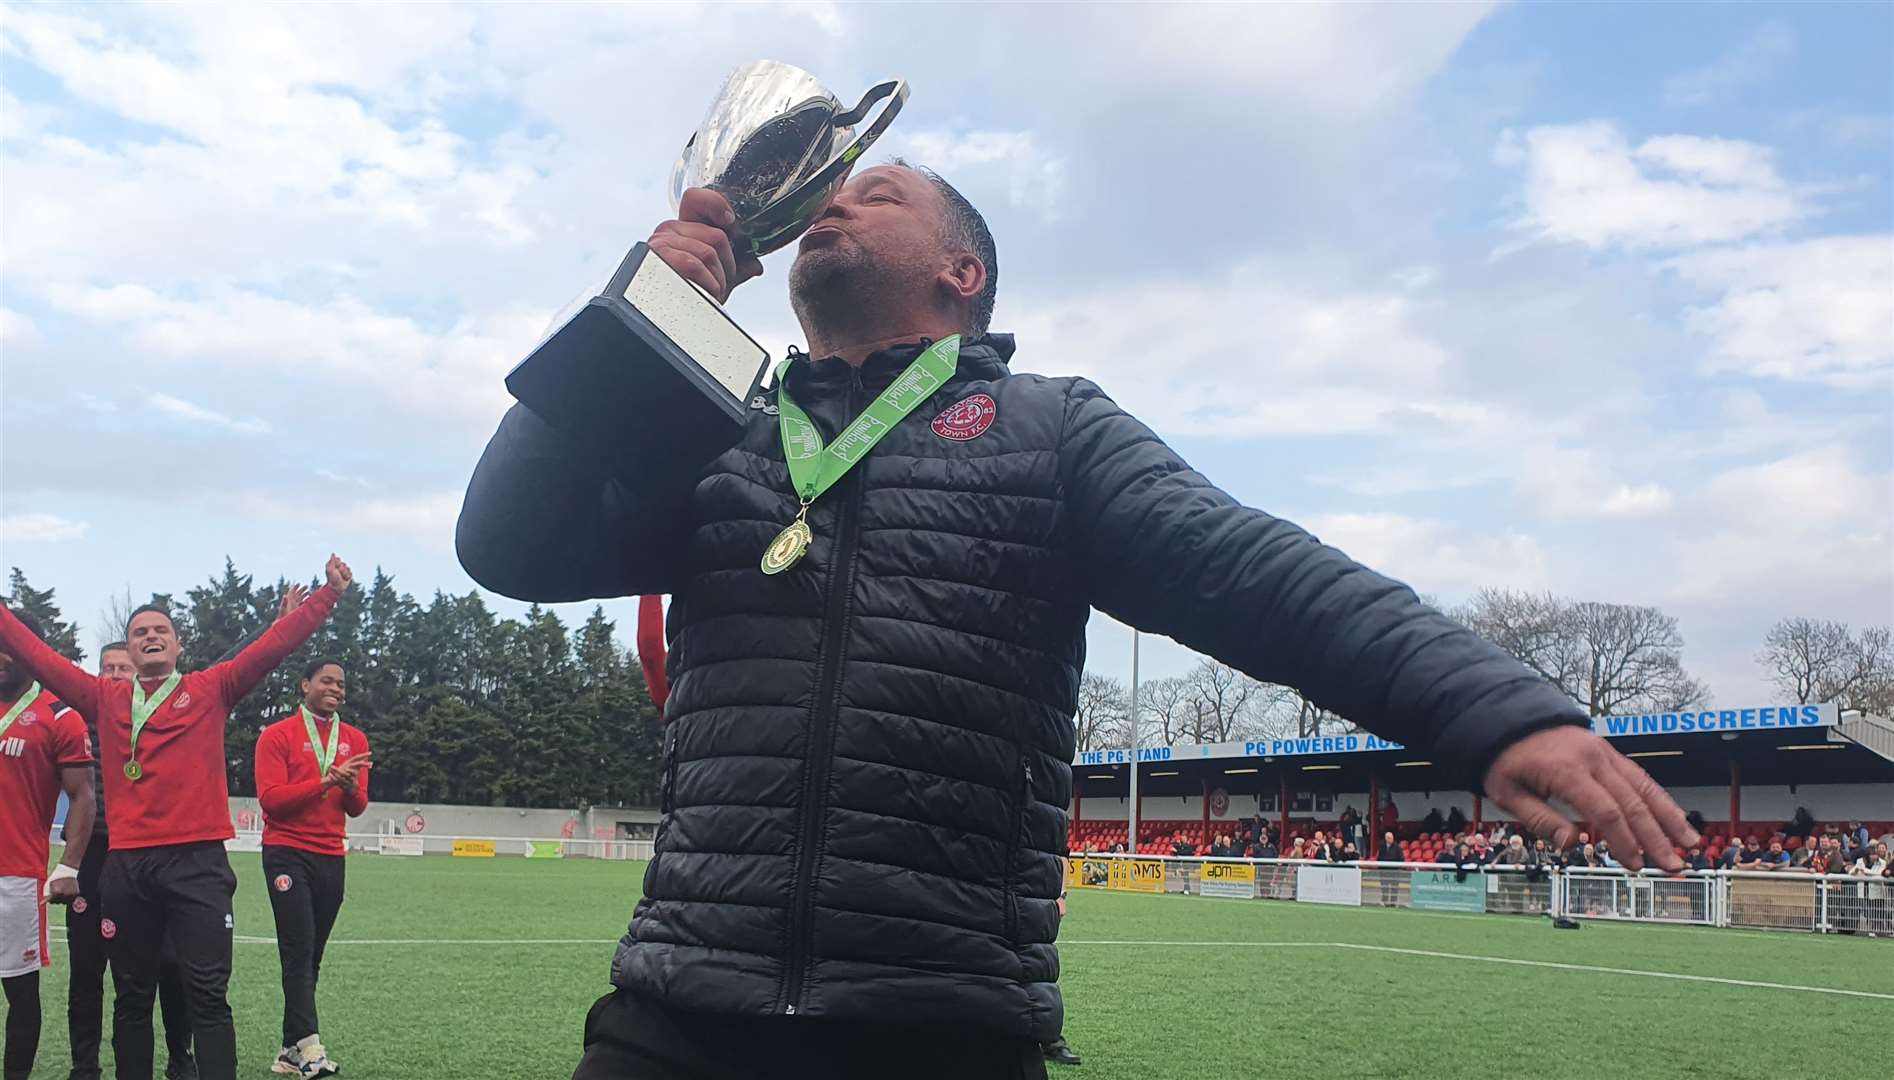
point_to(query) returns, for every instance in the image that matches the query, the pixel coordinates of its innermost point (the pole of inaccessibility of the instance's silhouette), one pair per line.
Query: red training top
(184, 794)
(298, 812)
(44, 739)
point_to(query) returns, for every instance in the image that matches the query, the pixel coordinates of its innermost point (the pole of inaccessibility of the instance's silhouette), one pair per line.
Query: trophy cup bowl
(650, 373)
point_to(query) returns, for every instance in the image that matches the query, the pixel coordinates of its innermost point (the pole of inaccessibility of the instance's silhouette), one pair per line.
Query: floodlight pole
(1131, 836)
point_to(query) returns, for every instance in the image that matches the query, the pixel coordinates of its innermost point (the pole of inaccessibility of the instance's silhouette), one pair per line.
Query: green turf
(404, 1001)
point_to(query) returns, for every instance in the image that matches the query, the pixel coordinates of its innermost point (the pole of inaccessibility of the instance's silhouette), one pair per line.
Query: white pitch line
(255, 939)
(1593, 968)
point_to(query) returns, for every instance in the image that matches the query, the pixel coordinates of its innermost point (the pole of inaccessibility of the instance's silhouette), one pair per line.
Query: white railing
(1783, 900)
(564, 847)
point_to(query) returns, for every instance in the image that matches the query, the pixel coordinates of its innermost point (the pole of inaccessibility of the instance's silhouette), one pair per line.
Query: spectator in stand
(1450, 854)
(1751, 858)
(1775, 858)
(1349, 853)
(1514, 853)
(1578, 848)
(1731, 856)
(1223, 848)
(1390, 849)
(1265, 849)
(1587, 857)
(1319, 847)
(1543, 856)
(1299, 850)
(1604, 855)
(1858, 838)
(1877, 916)
(1181, 846)
(1481, 853)
(1799, 858)
(1697, 860)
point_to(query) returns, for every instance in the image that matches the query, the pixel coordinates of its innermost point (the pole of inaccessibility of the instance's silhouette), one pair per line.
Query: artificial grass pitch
(482, 969)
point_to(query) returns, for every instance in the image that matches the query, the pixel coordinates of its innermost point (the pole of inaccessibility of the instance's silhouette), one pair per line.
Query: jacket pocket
(1022, 799)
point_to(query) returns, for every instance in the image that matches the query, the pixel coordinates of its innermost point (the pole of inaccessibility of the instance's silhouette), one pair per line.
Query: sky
(1583, 298)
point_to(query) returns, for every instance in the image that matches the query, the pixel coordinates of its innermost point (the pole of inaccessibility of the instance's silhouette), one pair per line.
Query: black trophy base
(651, 375)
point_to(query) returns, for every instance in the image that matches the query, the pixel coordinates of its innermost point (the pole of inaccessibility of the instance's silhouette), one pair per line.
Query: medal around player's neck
(815, 466)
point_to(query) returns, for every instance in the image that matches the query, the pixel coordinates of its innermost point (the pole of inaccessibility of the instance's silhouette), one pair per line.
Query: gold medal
(133, 771)
(790, 544)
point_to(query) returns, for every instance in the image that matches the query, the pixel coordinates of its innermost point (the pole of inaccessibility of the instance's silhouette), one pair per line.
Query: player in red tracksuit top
(42, 751)
(311, 777)
(167, 800)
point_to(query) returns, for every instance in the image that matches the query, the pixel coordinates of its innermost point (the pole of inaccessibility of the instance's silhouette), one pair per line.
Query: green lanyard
(814, 466)
(26, 702)
(325, 755)
(142, 709)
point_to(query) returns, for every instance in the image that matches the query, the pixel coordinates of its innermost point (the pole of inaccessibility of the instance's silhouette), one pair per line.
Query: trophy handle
(786, 216)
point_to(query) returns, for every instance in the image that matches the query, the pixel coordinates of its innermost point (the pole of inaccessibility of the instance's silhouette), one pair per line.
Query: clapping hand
(343, 774)
(293, 597)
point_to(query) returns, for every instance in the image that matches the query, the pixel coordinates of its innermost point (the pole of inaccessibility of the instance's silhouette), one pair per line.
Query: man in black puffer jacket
(867, 755)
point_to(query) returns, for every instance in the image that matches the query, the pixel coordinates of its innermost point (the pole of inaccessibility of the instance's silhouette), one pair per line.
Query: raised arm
(72, 683)
(1167, 551)
(544, 521)
(241, 674)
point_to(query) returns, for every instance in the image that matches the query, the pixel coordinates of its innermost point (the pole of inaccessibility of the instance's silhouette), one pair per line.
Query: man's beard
(830, 284)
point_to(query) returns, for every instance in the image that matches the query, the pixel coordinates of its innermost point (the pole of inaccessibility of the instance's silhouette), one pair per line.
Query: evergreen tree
(60, 634)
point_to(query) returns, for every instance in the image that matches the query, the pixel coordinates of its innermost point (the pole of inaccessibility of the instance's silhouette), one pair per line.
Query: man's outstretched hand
(1581, 770)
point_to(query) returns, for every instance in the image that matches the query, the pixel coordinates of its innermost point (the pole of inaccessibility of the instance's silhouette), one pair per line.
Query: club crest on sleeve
(342, 750)
(108, 929)
(183, 700)
(29, 718)
(966, 419)
(283, 882)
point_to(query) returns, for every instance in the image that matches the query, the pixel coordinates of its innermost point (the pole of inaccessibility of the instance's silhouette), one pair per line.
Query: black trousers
(632, 1038)
(305, 895)
(181, 891)
(85, 988)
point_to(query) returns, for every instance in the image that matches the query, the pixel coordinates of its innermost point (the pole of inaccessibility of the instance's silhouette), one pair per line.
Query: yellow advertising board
(1227, 879)
(1216, 871)
(1136, 875)
(474, 849)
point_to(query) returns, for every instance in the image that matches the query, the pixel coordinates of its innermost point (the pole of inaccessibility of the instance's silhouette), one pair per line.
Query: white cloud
(1257, 351)
(197, 414)
(1435, 556)
(1750, 62)
(1586, 184)
(16, 329)
(1035, 178)
(425, 516)
(1816, 309)
(1640, 501)
(338, 341)
(31, 528)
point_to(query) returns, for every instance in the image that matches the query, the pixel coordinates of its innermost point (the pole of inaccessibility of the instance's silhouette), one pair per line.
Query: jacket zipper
(1012, 850)
(822, 726)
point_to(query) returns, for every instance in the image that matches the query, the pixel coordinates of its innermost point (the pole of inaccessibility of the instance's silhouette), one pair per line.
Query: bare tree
(1609, 658)
(1818, 660)
(113, 617)
(1102, 713)
(1165, 705)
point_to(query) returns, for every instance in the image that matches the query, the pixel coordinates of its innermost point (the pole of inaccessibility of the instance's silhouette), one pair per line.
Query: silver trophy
(651, 371)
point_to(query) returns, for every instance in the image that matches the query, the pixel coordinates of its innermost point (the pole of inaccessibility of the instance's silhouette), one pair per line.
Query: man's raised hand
(1581, 770)
(697, 244)
(338, 574)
